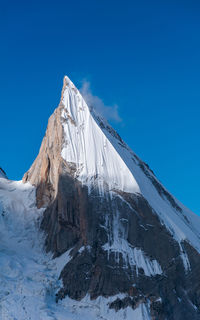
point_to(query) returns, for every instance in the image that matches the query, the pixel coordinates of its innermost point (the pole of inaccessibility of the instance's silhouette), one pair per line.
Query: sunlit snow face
(86, 146)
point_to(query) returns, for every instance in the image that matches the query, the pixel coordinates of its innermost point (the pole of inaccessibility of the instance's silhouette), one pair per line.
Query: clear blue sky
(142, 55)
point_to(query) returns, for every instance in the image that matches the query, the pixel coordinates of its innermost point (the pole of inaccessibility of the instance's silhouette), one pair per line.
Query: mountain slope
(128, 243)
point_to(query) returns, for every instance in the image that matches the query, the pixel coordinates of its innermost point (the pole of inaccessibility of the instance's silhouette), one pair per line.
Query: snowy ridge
(89, 149)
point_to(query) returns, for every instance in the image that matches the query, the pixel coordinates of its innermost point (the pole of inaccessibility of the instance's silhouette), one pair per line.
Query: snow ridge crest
(86, 145)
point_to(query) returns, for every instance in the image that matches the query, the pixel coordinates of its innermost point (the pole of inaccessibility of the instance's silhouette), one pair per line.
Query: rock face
(125, 232)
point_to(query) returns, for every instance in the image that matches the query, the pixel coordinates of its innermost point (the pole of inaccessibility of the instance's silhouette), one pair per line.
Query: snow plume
(108, 112)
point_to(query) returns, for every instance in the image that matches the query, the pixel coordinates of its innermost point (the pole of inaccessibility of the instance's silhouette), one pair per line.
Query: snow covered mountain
(118, 244)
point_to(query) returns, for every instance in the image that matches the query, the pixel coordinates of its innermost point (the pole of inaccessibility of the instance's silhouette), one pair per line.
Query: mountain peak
(87, 147)
(67, 82)
(123, 231)
(83, 145)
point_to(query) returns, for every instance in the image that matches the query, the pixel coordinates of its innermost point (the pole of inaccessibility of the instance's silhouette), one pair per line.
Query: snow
(25, 277)
(98, 309)
(180, 228)
(134, 257)
(83, 248)
(103, 159)
(183, 225)
(62, 261)
(29, 276)
(131, 256)
(86, 146)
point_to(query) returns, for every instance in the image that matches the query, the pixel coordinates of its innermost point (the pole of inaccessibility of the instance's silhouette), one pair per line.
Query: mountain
(118, 244)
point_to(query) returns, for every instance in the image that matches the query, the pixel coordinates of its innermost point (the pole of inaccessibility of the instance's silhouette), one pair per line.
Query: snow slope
(29, 276)
(102, 158)
(182, 223)
(86, 146)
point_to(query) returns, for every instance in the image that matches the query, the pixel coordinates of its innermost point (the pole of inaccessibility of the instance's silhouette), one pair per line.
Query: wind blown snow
(108, 112)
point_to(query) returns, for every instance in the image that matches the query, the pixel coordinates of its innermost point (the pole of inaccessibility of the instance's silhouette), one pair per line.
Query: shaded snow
(98, 309)
(62, 261)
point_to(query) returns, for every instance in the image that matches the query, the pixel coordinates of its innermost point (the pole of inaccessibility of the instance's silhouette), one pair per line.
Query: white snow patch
(62, 261)
(134, 257)
(83, 248)
(184, 258)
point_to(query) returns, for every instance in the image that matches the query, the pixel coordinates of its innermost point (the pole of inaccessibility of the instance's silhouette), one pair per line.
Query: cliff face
(124, 231)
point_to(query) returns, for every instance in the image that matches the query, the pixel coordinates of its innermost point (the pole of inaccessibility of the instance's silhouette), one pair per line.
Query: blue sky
(143, 56)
